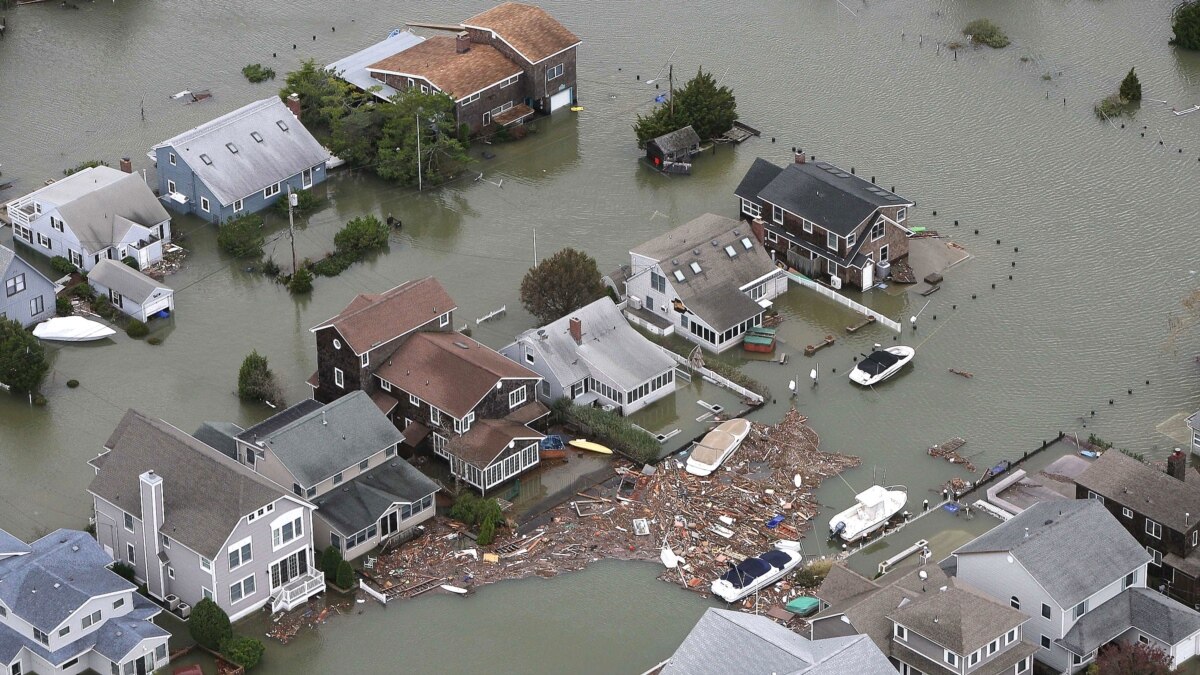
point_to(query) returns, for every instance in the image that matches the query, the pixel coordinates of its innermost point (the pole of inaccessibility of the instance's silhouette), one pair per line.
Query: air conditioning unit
(835, 282)
(185, 610)
(172, 601)
(635, 302)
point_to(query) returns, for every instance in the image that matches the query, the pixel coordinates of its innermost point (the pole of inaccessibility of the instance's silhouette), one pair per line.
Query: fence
(843, 300)
(714, 377)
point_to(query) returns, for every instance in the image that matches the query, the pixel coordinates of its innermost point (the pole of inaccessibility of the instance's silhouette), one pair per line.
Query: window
(114, 297)
(171, 158)
(206, 159)
(291, 567)
(747, 244)
(850, 241)
(1126, 512)
(1195, 537)
(678, 275)
(751, 209)
(777, 214)
(1155, 556)
(413, 400)
(1079, 610)
(15, 285)
(256, 136)
(92, 619)
(1022, 666)
(231, 147)
(362, 466)
(1014, 602)
(241, 589)
(390, 452)
(338, 378)
(1130, 579)
(365, 359)
(1095, 497)
(650, 302)
(206, 593)
(170, 572)
(657, 282)
(41, 637)
(1045, 611)
(901, 214)
(435, 415)
(444, 320)
(510, 81)
(695, 268)
(993, 646)
(206, 564)
(337, 478)
(877, 230)
(528, 355)
(950, 657)
(45, 241)
(204, 204)
(411, 83)
(335, 541)
(554, 72)
(1143, 639)
(424, 89)
(237, 205)
(239, 555)
(771, 237)
(129, 522)
(1045, 642)
(831, 240)
(271, 191)
(1153, 529)
(164, 540)
(973, 658)
(1010, 637)
(23, 232)
(171, 186)
(470, 99)
(64, 630)
(901, 632)
(516, 397)
(807, 225)
(289, 530)
(730, 251)
(310, 492)
(130, 551)
(56, 224)
(385, 385)
(337, 344)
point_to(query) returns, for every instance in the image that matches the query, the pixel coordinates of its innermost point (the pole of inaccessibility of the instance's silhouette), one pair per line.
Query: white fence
(714, 377)
(843, 300)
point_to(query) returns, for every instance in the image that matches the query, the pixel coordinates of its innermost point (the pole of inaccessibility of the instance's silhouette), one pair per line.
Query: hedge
(610, 429)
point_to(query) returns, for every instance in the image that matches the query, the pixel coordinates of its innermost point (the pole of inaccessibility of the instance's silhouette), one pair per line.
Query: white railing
(714, 377)
(297, 591)
(843, 300)
(21, 211)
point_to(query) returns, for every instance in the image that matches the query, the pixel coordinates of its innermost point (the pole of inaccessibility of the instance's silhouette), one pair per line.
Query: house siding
(131, 308)
(189, 184)
(67, 242)
(470, 114)
(535, 90)
(18, 306)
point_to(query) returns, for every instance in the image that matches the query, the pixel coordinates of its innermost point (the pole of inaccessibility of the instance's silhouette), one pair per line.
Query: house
(828, 223)
(594, 355)
(28, 294)
(62, 610)
(726, 642)
(353, 68)
(678, 146)
(1081, 578)
(92, 215)
(130, 291)
(500, 67)
(1193, 423)
(466, 402)
(239, 163)
(708, 279)
(196, 524)
(1157, 509)
(342, 457)
(926, 622)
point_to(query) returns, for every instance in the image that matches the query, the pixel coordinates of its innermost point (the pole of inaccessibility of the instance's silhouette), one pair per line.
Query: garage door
(561, 99)
(157, 306)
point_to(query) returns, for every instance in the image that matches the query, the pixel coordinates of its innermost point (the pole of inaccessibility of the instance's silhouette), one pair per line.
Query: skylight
(256, 136)
(730, 251)
(232, 147)
(695, 268)
(281, 124)
(206, 159)
(747, 244)
(678, 275)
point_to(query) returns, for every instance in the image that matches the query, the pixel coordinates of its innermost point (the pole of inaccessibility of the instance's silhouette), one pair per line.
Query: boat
(454, 589)
(716, 446)
(759, 339)
(1187, 111)
(588, 445)
(759, 572)
(873, 507)
(881, 364)
(803, 605)
(72, 329)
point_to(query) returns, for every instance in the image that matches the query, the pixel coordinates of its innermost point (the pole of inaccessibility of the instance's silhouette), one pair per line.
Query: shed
(132, 292)
(677, 146)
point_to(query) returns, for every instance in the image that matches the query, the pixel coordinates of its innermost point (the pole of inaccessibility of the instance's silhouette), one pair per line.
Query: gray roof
(323, 441)
(100, 204)
(363, 500)
(610, 347)
(353, 68)
(115, 638)
(958, 619)
(1137, 607)
(279, 420)
(759, 176)
(842, 583)
(219, 435)
(680, 139)
(10, 545)
(725, 642)
(232, 176)
(1145, 489)
(1072, 548)
(828, 196)
(868, 611)
(130, 283)
(62, 571)
(714, 293)
(205, 493)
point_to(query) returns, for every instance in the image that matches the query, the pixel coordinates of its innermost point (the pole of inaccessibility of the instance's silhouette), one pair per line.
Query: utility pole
(535, 247)
(419, 182)
(292, 226)
(671, 87)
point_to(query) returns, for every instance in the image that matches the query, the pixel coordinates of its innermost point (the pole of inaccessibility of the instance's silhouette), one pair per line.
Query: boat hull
(872, 510)
(906, 354)
(590, 446)
(728, 435)
(729, 593)
(72, 329)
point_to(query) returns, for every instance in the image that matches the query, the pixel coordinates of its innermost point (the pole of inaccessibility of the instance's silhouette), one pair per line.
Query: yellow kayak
(588, 445)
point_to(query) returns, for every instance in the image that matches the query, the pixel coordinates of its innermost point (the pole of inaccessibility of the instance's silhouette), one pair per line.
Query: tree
(442, 154)
(244, 651)
(23, 362)
(1186, 23)
(242, 237)
(324, 98)
(711, 110)
(209, 624)
(330, 560)
(362, 234)
(256, 382)
(561, 284)
(345, 575)
(1131, 88)
(301, 282)
(1133, 659)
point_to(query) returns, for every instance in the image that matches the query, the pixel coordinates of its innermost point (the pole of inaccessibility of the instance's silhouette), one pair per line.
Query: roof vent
(256, 136)
(695, 251)
(206, 159)
(281, 124)
(461, 345)
(935, 618)
(57, 585)
(1027, 532)
(714, 243)
(232, 148)
(323, 420)
(75, 549)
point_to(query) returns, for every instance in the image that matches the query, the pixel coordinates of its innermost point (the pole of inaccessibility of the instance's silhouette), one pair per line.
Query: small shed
(677, 146)
(130, 291)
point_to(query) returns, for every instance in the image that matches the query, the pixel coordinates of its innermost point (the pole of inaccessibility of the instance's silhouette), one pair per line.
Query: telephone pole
(419, 182)
(671, 87)
(292, 226)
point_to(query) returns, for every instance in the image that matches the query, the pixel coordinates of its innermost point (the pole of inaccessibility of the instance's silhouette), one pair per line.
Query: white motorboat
(716, 446)
(72, 329)
(759, 572)
(873, 507)
(881, 364)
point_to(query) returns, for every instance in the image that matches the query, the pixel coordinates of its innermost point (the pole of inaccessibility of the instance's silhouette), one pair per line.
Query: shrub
(156, 340)
(333, 264)
(271, 268)
(71, 384)
(257, 72)
(301, 282)
(62, 306)
(1186, 24)
(23, 362)
(485, 514)
(610, 429)
(256, 382)
(345, 575)
(244, 651)
(1131, 87)
(464, 134)
(242, 237)
(487, 533)
(812, 574)
(985, 32)
(209, 624)
(136, 329)
(305, 201)
(330, 560)
(361, 235)
(84, 291)
(90, 164)
(61, 265)
(132, 262)
(124, 570)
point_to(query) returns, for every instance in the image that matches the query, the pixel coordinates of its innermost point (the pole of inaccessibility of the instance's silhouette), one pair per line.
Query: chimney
(126, 165)
(1177, 465)
(150, 488)
(293, 104)
(576, 328)
(462, 43)
(800, 158)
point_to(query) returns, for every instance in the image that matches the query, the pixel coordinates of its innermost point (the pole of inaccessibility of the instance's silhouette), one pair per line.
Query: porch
(297, 591)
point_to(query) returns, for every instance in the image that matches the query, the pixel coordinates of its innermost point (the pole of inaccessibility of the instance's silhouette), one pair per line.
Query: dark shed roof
(678, 140)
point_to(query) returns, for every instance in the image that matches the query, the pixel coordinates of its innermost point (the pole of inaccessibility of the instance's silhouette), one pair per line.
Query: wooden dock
(949, 446)
(809, 350)
(860, 325)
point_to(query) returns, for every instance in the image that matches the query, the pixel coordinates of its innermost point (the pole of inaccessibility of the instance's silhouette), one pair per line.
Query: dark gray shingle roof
(1141, 608)
(363, 500)
(220, 435)
(958, 619)
(127, 281)
(760, 175)
(1145, 489)
(833, 199)
(680, 139)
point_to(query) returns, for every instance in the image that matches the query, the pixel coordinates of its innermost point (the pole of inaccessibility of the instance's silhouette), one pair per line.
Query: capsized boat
(754, 574)
(72, 329)
(716, 446)
(588, 445)
(457, 590)
(881, 364)
(872, 509)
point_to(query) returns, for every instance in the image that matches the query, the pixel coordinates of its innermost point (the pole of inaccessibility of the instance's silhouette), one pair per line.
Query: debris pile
(949, 452)
(311, 614)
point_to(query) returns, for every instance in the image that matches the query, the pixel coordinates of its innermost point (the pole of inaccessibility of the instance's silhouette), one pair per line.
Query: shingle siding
(19, 306)
(187, 183)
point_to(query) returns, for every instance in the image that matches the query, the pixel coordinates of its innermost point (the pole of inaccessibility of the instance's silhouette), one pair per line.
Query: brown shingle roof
(1145, 489)
(530, 30)
(449, 370)
(957, 619)
(371, 319)
(459, 75)
(487, 439)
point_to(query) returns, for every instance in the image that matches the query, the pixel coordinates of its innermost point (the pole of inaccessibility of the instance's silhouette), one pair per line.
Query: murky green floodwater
(1103, 217)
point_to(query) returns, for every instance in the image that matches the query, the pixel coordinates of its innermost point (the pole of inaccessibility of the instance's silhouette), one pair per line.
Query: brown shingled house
(445, 391)
(501, 67)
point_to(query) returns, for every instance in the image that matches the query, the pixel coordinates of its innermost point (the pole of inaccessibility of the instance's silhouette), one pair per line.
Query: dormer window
(232, 148)
(256, 136)
(901, 632)
(281, 124)
(444, 320)
(950, 657)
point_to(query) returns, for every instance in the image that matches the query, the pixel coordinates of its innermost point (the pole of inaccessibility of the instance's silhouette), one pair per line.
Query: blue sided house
(239, 163)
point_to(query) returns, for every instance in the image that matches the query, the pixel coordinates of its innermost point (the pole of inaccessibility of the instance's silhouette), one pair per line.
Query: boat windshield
(776, 559)
(746, 572)
(878, 362)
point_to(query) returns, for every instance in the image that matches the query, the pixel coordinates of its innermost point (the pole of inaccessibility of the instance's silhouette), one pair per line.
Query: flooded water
(1104, 219)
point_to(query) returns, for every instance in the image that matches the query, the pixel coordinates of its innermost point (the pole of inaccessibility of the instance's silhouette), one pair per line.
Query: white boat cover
(72, 329)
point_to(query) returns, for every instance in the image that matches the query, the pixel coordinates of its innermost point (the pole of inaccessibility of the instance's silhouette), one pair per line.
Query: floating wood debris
(860, 325)
(963, 373)
(902, 273)
(809, 350)
(949, 452)
(930, 291)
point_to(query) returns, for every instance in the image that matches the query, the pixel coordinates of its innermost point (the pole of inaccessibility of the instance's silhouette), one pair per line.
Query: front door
(306, 178)
(140, 666)
(868, 275)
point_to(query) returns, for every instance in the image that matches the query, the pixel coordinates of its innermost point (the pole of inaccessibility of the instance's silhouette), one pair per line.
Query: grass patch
(985, 32)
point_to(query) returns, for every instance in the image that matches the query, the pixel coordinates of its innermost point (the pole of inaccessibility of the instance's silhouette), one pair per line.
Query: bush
(301, 282)
(361, 235)
(256, 382)
(610, 429)
(84, 291)
(124, 570)
(1186, 23)
(484, 514)
(71, 384)
(345, 575)
(156, 340)
(132, 262)
(1111, 106)
(244, 651)
(271, 268)
(62, 306)
(305, 201)
(209, 624)
(985, 32)
(257, 72)
(333, 264)
(464, 134)
(242, 237)
(812, 574)
(90, 164)
(136, 329)
(23, 362)
(330, 560)
(1131, 88)
(62, 266)
(487, 533)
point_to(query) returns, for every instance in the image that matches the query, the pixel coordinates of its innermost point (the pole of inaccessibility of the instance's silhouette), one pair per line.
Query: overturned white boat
(872, 509)
(72, 329)
(881, 364)
(754, 574)
(716, 446)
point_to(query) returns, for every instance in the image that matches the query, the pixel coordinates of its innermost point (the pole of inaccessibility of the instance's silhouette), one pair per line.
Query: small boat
(1187, 111)
(454, 589)
(759, 339)
(72, 329)
(803, 605)
(881, 364)
(716, 446)
(759, 572)
(872, 509)
(588, 445)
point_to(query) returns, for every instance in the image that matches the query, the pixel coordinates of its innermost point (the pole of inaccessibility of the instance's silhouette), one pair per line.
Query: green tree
(324, 98)
(256, 382)
(1131, 88)
(362, 234)
(330, 560)
(242, 237)
(23, 362)
(355, 135)
(1186, 23)
(209, 624)
(710, 109)
(345, 575)
(561, 284)
(442, 154)
(301, 282)
(487, 533)
(247, 652)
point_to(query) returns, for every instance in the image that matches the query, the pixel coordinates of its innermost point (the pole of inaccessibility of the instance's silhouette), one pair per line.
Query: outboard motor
(837, 529)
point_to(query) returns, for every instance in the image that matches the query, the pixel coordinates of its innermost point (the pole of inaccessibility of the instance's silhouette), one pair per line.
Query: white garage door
(157, 306)
(561, 99)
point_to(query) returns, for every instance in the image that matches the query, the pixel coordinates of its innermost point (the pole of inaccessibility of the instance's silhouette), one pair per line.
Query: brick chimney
(462, 43)
(293, 104)
(126, 165)
(1177, 465)
(576, 328)
(800, 158)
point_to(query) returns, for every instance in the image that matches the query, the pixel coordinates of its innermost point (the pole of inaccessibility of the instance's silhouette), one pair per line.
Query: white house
(131, 291)
(92, 215)
(593, 354)
(709, 280)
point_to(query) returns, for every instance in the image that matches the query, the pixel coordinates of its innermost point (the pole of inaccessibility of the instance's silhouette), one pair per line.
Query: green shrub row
(609, 428)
